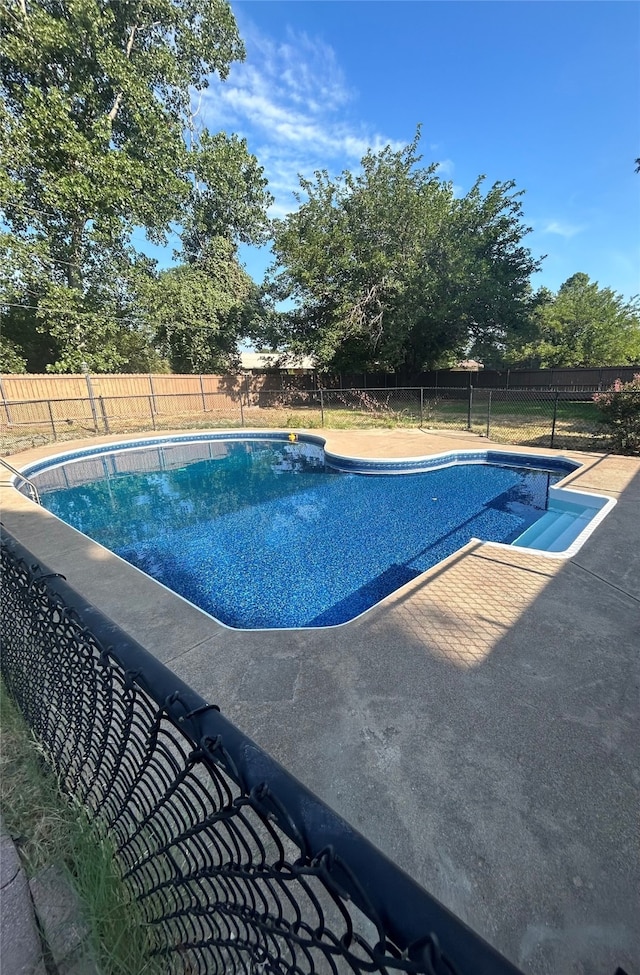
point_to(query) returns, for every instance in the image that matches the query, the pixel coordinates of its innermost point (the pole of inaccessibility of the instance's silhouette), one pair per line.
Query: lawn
(505, 416)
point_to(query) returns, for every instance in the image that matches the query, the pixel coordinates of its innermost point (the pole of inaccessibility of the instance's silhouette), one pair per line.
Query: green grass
(518, 421)
(47, 829)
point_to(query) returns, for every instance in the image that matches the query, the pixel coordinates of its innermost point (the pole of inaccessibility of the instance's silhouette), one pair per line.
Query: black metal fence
(566, 379)
(235, 865)
(530, 417)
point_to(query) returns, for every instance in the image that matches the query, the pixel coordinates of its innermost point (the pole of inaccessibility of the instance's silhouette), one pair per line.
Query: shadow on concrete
(509, 787)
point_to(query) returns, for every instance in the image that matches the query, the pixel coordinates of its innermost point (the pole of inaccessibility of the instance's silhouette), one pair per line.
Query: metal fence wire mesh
(235, 865)
(372, 407)
(566, 419)
(537, 418)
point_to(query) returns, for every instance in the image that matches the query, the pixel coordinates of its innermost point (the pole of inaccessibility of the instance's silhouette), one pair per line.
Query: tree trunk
(74, 268)
(115, 108)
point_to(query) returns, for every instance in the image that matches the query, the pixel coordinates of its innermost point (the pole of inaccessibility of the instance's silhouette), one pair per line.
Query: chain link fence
(26, 423)
(541, 418)
(538, 418)
(235, 866)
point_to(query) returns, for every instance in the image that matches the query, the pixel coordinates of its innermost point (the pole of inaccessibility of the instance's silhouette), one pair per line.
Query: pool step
(555, 531)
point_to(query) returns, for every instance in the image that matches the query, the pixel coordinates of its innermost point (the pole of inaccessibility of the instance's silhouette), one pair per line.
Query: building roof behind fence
(275, 360)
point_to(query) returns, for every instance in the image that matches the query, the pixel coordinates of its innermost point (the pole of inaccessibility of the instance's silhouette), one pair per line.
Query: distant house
(282, 362)
(467, 365)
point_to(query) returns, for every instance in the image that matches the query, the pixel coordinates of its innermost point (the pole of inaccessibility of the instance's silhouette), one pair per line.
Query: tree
(201, 309)
(584, 325)
(96, 105)
(60, 329)
(472, 291)
(10, 358)
(388, 270)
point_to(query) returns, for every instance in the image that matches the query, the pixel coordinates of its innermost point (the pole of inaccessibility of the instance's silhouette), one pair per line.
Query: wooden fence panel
(24, 413)
(233, 384)
(173, 404)
(48, 411)
(168, 384)
(127, 407)
(31, 386)
(120, 385)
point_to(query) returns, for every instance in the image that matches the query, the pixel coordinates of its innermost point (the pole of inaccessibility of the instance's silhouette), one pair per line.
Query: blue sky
(544, 93)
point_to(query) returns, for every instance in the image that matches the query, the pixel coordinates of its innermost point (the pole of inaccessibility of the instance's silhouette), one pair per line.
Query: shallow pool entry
(268, 533)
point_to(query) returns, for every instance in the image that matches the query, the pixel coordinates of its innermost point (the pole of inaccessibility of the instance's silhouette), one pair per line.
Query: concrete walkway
(481, 725)
(41, 926)
(20, 943)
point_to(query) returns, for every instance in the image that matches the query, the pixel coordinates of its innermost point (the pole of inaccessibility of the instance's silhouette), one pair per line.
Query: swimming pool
(264, 533)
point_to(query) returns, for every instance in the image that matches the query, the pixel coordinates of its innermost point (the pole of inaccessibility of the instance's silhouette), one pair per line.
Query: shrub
(620, 409)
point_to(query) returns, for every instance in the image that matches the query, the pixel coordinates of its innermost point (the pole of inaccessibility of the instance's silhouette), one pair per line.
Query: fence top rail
(401, 908)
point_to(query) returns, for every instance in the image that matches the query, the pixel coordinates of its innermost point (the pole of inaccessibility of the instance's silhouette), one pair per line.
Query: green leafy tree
(59, 328)
(388, 270)
(201, 309)
(10, 358)
(583, 325)
(472, 295)
(97, 138)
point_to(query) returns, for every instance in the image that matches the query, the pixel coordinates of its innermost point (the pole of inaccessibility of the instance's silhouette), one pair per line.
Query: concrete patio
(481, 725)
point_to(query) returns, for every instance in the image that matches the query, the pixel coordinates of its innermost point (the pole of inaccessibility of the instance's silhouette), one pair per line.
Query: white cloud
(562, 229)
(445, 168)
(311, 73)
(290, 101)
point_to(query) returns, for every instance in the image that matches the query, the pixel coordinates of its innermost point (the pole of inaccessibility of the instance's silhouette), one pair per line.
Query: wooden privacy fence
(84, 399)
(30, 386)
(34, 387)
(31, 398)
(580, 378)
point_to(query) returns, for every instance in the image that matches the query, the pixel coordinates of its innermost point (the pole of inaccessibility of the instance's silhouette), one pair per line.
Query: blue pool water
(264, 533)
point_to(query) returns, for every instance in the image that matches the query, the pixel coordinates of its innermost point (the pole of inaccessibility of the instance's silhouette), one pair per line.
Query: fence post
(153, 394)
(152, 411)
(104, 415)
(241, 410)
(204, 402)
(489, 414)
(422, 406)
(92, 401)
(470, 406)
(53, 426)
(321, 408)
(555, 414)
(4, 400)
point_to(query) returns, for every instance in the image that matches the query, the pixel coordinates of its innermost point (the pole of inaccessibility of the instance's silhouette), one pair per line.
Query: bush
(620, 409)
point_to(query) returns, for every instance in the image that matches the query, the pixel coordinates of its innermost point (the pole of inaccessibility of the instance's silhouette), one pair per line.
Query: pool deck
(481, 725)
